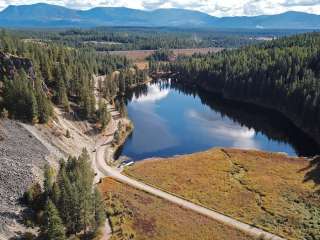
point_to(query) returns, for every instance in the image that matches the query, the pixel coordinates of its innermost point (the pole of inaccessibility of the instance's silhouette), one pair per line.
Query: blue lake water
(171, 121)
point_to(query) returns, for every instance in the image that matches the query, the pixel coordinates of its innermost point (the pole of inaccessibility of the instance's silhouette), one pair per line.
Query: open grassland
(268, 190)
(153, 218)
(141, 55)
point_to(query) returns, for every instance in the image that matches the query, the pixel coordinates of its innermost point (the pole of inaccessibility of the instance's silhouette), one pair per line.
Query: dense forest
(282, 75)
(68, 204)
(34, 75)
(134, 38)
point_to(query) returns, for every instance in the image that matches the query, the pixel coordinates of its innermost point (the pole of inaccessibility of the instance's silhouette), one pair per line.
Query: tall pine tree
(54, 225)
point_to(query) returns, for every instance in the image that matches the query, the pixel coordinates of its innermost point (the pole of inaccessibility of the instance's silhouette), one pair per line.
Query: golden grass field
(267, 190)
(141, 55)
(156, 219)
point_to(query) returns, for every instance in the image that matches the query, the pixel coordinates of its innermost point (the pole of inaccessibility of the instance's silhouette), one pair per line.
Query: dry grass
(142, 65)
(141, 55)
(264, 189)
(157, 219)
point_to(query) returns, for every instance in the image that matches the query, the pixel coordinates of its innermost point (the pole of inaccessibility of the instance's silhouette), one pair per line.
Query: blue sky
(213, 7)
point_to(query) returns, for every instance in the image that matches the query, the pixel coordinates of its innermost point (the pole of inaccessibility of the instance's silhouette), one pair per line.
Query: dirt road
(103, 154)
(105, 170)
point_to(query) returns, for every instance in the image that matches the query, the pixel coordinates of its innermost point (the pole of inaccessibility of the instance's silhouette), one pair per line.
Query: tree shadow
(312, 172)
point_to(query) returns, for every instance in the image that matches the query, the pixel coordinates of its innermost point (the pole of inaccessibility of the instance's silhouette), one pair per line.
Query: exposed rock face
(10, 64)
(21, 155)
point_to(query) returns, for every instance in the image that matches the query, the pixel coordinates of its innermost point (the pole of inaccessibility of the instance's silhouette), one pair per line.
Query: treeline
(36, 74)
(282, 74)
(68, 205)
(135, 38)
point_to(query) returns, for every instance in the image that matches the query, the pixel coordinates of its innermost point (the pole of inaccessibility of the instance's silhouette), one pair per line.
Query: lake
(171, 120)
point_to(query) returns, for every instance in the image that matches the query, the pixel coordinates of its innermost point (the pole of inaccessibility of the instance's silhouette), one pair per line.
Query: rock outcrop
(10, 64)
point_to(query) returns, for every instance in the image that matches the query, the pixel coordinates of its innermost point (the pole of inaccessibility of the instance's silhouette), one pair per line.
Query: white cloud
(213, 7)
(154, 94)
(224, 129)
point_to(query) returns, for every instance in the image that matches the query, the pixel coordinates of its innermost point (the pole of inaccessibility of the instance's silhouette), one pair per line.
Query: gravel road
(105, 170)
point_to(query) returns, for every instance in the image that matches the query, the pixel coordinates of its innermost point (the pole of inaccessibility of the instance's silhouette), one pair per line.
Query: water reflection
(239, 136)
(153, 94)
(170, 119)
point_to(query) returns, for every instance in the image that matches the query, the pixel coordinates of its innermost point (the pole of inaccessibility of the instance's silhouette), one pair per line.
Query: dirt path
(107, 232)
(105, 170)
(104, 154)
(106, 141)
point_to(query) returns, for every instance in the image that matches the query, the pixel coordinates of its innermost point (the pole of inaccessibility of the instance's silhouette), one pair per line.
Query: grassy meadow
(145, 217)
(269, 190)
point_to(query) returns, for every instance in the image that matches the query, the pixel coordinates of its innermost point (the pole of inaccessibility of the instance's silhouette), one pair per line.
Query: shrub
(4, 113)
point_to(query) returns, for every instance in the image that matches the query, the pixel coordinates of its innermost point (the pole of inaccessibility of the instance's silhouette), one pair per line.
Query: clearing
(269, 190)
(158, 219)
(139, 56)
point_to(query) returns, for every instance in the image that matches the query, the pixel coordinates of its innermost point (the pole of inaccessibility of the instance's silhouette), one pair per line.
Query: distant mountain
(46, 15)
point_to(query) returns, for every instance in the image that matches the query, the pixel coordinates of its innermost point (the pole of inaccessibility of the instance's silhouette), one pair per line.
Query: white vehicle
(129, 164)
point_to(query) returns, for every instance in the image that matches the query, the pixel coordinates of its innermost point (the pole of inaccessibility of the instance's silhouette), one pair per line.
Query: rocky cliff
(10, 64)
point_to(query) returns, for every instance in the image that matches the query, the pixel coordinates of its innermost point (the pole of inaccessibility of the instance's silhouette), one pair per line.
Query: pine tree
(104, 115)
(54, 225)
(99, 212)
(44, 107)
(65, 199)
(62, 97)
(84, 182)
(48, 180)
(34, 107)
(68, 135)
(55, 195)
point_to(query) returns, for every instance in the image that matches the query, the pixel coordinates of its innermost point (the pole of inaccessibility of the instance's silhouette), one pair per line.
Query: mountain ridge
(47, 15)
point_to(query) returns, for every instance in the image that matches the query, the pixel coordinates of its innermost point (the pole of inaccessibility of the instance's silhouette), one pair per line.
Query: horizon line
(151, 10)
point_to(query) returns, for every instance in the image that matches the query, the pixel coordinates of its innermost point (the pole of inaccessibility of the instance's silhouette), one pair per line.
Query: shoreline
(252, 176)
(202, 87)
(258, 103)
(122, 141)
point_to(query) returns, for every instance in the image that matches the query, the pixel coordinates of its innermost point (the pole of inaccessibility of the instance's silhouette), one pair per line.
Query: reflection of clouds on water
(154, 94)
(224, 129)
(146, 120)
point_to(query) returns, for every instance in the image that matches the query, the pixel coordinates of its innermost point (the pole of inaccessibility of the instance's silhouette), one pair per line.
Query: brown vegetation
(264, 189)
(141, 55)
(157, 219)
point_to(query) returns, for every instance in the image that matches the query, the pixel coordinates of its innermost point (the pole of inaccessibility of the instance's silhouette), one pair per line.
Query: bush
(68, 135)
(4, 113)
(28, 236)
(33, 195)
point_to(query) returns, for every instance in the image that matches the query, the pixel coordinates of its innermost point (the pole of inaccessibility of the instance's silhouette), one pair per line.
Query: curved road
(105, 170)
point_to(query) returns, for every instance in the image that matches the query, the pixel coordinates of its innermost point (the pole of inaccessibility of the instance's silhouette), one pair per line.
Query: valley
(126, 124)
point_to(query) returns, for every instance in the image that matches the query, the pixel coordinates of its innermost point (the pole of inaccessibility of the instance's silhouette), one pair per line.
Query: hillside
(46, 15)
(19, 169)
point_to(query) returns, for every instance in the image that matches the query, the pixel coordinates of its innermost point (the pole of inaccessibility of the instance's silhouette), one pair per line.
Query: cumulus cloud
(154, 94)
(224, 130)
(213, 7)
(290, 3)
